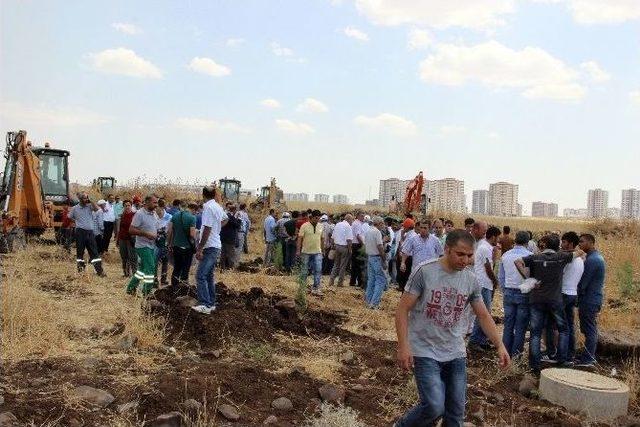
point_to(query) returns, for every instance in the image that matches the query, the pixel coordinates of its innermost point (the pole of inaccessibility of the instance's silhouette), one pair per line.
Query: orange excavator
(34, 189)
(413, 199)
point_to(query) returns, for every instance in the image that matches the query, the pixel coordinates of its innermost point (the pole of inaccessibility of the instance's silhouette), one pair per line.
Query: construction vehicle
(34, 190)
(228, 190)
(269, 197)
(414, 200)
(104, 185)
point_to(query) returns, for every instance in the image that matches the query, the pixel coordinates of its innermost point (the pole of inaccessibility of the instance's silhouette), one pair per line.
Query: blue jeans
(442, 387)
(588, 314)
(376, 281)
(516, 320)
(313, 262)
(569, 303)
(477, 336)
(539, 314)
(290, 255)
(204, 277)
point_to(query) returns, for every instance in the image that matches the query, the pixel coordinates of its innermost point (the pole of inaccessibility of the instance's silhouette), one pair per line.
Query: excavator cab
(104, 184)
(230, 189)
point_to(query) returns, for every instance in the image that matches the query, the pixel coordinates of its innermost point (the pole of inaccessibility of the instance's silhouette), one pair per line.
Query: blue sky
(331, 96)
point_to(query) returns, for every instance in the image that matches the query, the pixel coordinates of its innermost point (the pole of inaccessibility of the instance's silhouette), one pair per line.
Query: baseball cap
(324, 218)
(101, 202)
(408, 223)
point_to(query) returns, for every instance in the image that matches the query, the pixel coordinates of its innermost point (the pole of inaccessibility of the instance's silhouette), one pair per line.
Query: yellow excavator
(34, 190)
(269, 197)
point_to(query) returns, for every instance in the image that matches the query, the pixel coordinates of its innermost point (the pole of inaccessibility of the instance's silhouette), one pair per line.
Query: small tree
(628, 288)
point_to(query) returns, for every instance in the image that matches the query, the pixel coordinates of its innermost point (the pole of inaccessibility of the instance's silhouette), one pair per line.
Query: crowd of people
(448, 277)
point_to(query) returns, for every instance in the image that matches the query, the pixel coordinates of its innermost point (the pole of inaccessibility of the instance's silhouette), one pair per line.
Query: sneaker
(547, 359)
(203, 309)
(585, 365)
(565, 365)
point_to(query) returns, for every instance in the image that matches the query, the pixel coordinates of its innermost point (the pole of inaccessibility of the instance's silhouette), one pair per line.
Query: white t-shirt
(341, 233)
(484, 252)
(571, 276)
(372, 239)
(212, 216)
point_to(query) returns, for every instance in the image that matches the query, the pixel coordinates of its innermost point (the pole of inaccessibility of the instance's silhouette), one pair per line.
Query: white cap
(367, 218)
(101, 202)
(286, 215)
(324, 218)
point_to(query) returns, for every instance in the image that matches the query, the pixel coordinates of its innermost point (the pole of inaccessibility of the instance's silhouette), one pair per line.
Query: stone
(331, 393)
(129, 406)
(229, 412)
(315, 403)
(192, 405)
(618, 343)
(527, 385)
(187, 301)
(91, 363)
(116, 329)
(154, 304)
(347, 356)
(271, 419)
(7, 419)
(127, 342)
(93, 396)
(497, 397)
(479, 415)
(170, 419)
(598, 397)
(357, 387)
(1, 399)
(627, 421)
(282, 404)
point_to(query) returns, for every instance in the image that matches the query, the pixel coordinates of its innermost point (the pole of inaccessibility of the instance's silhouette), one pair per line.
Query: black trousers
(356, 266)
(182, 259)
(106, 236)
(401, 277)
(85, 239)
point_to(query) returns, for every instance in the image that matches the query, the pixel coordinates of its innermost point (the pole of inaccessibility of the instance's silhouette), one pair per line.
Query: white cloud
(208, 125)
(355, 33)
(209, 66)
(43, 115)
(634, 96)
(294, 128)
(270, 103)
(474, 14)
(124, 62)
(234, 42)
(452, 129)
(280, 50)
(125, 28)
(492, 64)
(419, 39)
(312, 105)
(387, 122)
(600, 11)
(594, 72)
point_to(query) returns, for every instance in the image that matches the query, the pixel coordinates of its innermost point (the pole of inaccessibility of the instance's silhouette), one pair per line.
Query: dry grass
(335, 416)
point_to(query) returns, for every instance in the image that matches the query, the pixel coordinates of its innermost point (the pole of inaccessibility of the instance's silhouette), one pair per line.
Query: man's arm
(406, 304)
(489, 270)
(519, 263)
(489, 328)
(135, 231)
(383, 256)
(170, 236)
(299, 244)
(501, 275)
(587, 277)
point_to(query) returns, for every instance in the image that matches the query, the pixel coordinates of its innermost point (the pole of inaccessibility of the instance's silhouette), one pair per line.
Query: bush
(628, 288)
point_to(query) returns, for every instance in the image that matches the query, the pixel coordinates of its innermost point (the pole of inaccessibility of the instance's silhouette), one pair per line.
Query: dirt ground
(255, 348)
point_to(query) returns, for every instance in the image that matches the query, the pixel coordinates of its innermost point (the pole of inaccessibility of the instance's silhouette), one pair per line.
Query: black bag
(191, 240)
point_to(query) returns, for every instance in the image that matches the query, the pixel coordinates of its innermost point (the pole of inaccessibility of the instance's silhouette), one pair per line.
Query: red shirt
(125, 223)
(66, 221)
(300, 222)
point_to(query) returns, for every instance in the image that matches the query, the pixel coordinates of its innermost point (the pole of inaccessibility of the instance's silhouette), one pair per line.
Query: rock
(1, 399)
(282, 404)
(7, 419)
(497, 397)
(271, 419)
(170, 419)
(129, 406)
(331, 393)
(192, 405)
(627, 421)
(527, 385)
(357, 387)
(154, 304)
(618, 343)
(91, 363)
(315, 403)
(229, 412)
(187, 301)
(93, 395)
(116, 329)
(127, 342)
(479, 415)
(347, 356)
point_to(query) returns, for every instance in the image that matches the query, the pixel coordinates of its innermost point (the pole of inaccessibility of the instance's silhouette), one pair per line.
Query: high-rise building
(503, 199)
(340, 199)
(447, 195)
(613, 213)
(574, 213)
(392, 189)
(321, 198)
(597, 203)
(296, 197)
(543, 209)
(630, 206)
(480, 202)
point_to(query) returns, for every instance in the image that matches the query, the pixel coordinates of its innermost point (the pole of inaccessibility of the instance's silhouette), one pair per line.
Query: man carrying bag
(181, 242)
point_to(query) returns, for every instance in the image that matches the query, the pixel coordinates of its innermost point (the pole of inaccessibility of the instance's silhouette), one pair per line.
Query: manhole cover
(584, 379)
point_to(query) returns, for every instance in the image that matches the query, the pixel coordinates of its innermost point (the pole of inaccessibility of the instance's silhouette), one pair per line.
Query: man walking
(421, 247)
(209, 246)
(515, 303)
(229, 238)
(181, 242)
(281, 231)
(570, 279)
(82, 214)
(342, 238)
(161, 251)
(310, 251)
(109, 221)
(590, 297)
(505, 241)
(246, 225)
(291, 241)
(144, 227)
(270, 237)
(376, 263)
(125, 241)
(98, 225)
(358, 240)
(431, 325)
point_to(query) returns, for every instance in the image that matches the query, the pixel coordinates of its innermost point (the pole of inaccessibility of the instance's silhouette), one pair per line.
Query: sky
(331, 96)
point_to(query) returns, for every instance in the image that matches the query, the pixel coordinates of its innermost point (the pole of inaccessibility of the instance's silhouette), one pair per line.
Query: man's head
(492, 235)
(448, 226)
(478, 229)
(315, 216)
(272, 212)
(468, 224)
(349, 218)
(367, 219)
(127, 206)
(522, 238)
(176, 203)
(111, 198)
(102, 203)
(84, 198)
(408, 224)
(569, 241)
(162, 203)
(458, 249)
(438, 227)
(378, 222)
(232, 207)
(360, 216)
(136, 200)
(324, 218)
(193, 207)
(506, 230)
(304, 214)
(587, 242)
(285, 215)
(423, 229)
(295, 214)
(552, 242)
(151, 202)
(208, 192)
(242, 206)
(117, 199)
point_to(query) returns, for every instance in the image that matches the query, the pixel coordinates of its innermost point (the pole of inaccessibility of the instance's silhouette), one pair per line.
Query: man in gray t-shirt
(431, 325)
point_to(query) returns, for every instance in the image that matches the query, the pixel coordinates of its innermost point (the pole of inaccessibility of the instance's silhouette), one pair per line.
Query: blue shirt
(591, 285)
(422, 249)
(270, 229)
(508, 274)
